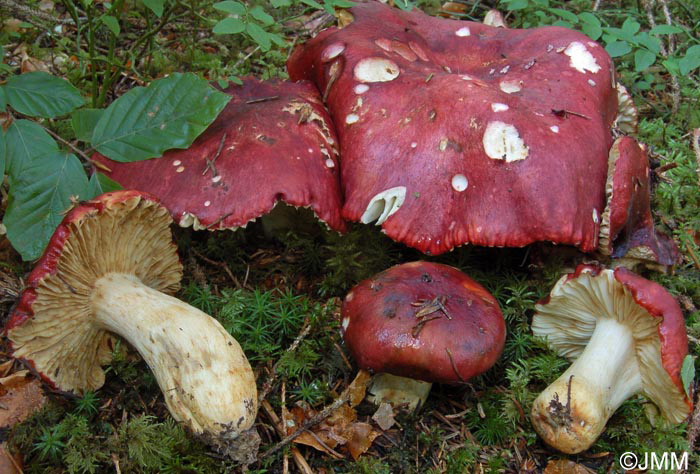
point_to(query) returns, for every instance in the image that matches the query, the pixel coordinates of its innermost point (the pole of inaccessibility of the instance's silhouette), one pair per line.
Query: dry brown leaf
(453, 7)
(384, 416)
(566, 466)
(22, 396)
(361, 436)
(358, 387)
(46, 5)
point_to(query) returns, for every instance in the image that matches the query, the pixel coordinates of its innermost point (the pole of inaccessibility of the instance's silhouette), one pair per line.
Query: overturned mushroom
(626, 335)
(455, 132)
(273, 142)
(110, 267)
(419, 323)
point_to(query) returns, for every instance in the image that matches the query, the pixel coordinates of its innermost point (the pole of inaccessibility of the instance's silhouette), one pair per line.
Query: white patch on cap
(459, 182)
(591, 82)
(414, 144)
(510, 87)
(384, 43)
(502, 142)
(207, 203)
(310, 150)
(580, 58)
(497, 107)
(332, 51)
(330, 163)
(505, 70)
(418, 49)
(361, 88)
(177, 163)
(595, 215)
(384, 205)
(466, 77)
(180, 169)
(352, 118)
(463, 31)
(349, 297)
(554, 128)
(376, 70)
(216, 179)
(345, 323)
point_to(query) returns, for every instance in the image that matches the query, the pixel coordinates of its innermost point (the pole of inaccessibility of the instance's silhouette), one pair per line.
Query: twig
(299, 459)
(244, 58)
(666, 52)
(596, 5)
(77, 150)
(267, 386)
(262, 99)
(220, 265)
(696, 149)
(26, 13)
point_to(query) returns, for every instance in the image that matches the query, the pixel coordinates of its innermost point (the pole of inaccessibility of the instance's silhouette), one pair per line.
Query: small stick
(696, 149)
(77, 150)
(210, 163)
(299, 459)
(454, 366)
(262, 99)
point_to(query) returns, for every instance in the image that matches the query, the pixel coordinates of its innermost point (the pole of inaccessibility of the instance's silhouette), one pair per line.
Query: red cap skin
(631, 222)
(379, 321)
(48, 262)
(672, 332)
(425, 127)
(266, 154)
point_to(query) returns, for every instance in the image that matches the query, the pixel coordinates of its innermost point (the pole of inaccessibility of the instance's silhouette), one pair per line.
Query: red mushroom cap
(273, 141)
(627, 228)
(424, 321)
(456, 132)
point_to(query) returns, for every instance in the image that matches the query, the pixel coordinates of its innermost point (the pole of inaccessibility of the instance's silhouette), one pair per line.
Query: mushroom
(419, 323)
(272, 142)
(451, 131)
(626, 336)
(110, 267)
(627, 227)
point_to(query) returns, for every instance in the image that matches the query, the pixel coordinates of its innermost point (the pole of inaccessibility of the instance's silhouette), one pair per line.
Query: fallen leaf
(453, 7)
(384, 416)
(22, 396)
(566, 466)
(358, 387)
(361, 436)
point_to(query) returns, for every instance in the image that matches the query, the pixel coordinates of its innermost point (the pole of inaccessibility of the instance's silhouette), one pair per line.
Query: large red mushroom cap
(457, 132)
(273, 141)
(626, 335)
(627, 226)
(424, 321)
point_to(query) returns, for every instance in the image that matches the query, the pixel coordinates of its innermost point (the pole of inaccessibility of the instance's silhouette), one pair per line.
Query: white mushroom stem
(398, 391)
(572, 412)
(206, 379)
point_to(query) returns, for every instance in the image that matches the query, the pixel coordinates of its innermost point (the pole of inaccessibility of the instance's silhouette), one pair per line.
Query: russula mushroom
(626, 336)
(627, 227)
(455, 132)
(419, 323)
(110, 267)
(272, 142)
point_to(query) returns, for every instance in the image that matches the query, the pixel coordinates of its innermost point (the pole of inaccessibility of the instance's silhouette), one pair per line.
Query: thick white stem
(572, 412)
(206, 379)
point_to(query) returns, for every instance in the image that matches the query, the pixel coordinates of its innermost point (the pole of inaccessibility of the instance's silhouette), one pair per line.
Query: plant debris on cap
(626, 335)
(423, 321)
(273, 141)
(627, 225)
(110, 266)
(456, 132)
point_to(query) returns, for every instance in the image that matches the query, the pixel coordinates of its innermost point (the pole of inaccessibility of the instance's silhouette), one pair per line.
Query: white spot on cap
(332, 51)
(580, 58)
(177, 163)
(349, 298)
(459, 182)
(361, 88)
(510, 87)
(554, 128)
(383, 43)
(352, 118)
(311, 150)
(330, 163)
(414, 144)
(376, 70)
(591, 82)
(180, 169)
(418, 49)
(502, 142)
(216, 179)
(595, 215)
(464, 31)
(207, 203)
(345, 323)
(383, 205)
(497, 107)
(505, 70)
(466, 77)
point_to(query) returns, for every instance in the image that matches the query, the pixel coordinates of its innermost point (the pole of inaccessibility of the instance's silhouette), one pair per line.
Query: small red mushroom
(273, 142)
(421, 321)
(626, 336)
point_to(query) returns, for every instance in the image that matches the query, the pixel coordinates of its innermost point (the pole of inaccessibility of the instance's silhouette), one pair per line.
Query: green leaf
(278, 40)
(2, 154)
(592, 31)
(235, 8)
(665, 30)
(312, 3)
(229, 26)
(3, 99)
(146, 121)
(407, 5)
(690, 61)
(589, 18)
(618, 48)
(259, 35)
(39, 94)
(38, 197)
(643, 59)
(156, 6)
(630, 26)
(100, 184)
(672, 65)
(24, 141)
(620, 34)
(261, 15)
(566, 15)
(84, 122)
(652, 43)
(281, 3)
(688, 373)
(235, 80)
(516, 5)
(111, 23)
